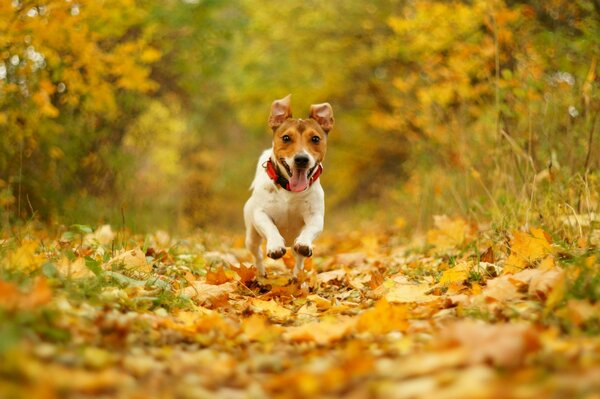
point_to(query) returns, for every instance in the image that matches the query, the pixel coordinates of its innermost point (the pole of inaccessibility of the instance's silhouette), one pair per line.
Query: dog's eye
(286, 138)
(316, 139)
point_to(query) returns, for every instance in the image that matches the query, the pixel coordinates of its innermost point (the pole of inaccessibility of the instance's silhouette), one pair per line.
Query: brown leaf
(376, 279)
(487, 256)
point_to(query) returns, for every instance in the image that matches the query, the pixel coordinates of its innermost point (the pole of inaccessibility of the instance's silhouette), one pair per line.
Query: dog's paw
(276, 253)
(303, 249)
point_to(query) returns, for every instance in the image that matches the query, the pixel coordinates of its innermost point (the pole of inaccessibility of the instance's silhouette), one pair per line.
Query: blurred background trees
(156, 111)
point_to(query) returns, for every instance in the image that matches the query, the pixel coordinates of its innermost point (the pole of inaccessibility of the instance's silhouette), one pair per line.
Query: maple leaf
(217, 278)
(246, 273)
(526, 248)
(456, 274)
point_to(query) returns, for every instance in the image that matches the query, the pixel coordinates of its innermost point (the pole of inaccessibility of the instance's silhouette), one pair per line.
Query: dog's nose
(301, 160)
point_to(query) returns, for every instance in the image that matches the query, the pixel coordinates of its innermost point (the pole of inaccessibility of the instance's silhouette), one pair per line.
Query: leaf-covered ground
(460, 313)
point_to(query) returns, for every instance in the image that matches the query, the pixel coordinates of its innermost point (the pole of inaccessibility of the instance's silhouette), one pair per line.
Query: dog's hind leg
(253, 241)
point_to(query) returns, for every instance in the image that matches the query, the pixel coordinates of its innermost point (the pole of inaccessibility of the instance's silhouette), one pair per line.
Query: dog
(287, 205)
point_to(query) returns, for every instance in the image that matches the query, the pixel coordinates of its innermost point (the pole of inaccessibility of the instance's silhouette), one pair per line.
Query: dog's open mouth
(299, 180)
(298, 177)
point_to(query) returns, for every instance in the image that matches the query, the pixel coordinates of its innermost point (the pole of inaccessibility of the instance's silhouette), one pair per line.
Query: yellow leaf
(457, 274)
(25, 258)
(257, 328)
(526, 248)
(323, 333)
(383, 318)
(132, 260)
(407, 293)
(272, 309)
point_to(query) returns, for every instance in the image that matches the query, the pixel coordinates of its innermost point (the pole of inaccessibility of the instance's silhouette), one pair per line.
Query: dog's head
(299, 145)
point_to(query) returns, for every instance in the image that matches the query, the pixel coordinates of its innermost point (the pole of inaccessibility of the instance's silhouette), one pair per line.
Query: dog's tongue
(298, 181)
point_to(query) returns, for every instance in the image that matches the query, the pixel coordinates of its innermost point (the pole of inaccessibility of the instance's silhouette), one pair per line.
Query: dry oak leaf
(526, 248)
(270, 308)
(323, 333)
(505, 345)
(133, 260)
(208, 293)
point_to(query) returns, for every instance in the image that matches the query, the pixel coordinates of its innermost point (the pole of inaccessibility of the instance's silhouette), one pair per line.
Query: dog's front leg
(303, 244)
(265, 226)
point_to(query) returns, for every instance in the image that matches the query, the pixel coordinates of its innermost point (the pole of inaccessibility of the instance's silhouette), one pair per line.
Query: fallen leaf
(217, 278)
(210, 294)
(25, 258)
(383, 318)
(504, 345)
(270, 308)
(456, 274)
(257, 328)
(246, 273)
(526, 248)
(487, 256)
(323, 333)
(332, 275)
(407, 293)
(133, 260)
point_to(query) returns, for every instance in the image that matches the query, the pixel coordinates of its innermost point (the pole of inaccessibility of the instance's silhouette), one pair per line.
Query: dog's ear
(280, 111)
(323, 114)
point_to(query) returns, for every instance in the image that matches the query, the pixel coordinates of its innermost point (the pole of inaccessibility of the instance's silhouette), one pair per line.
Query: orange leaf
(217, 278)
(246, 273)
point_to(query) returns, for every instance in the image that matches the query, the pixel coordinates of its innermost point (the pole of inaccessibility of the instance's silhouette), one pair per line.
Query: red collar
(283, 182)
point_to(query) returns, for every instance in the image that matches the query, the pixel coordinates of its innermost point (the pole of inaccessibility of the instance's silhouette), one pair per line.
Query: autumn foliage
(464, 316)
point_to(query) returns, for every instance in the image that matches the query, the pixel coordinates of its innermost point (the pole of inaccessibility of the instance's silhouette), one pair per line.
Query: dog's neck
(274, 172)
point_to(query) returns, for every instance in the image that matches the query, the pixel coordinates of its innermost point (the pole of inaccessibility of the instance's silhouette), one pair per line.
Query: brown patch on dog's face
(297, 135)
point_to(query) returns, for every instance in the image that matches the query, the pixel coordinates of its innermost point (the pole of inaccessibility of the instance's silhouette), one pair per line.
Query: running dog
(287, 202)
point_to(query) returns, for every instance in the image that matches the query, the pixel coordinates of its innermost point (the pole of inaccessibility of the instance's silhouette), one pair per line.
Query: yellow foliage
(526, 248)
(456, 274)
(25, 258)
